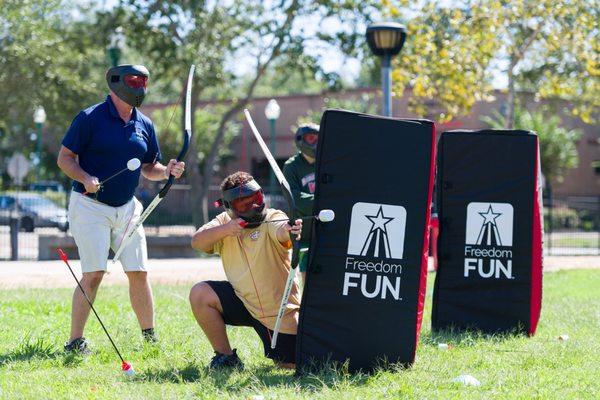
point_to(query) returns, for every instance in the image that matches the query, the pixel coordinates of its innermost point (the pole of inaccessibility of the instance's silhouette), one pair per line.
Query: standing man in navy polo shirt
(100, 141)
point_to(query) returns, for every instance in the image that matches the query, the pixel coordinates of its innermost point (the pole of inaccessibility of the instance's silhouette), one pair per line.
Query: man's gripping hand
(234, 227)
(92, 184)
(295, 229)
(175, 168)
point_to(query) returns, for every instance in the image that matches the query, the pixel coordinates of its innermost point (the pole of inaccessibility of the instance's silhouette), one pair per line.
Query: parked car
(33, 210)
(42, 186)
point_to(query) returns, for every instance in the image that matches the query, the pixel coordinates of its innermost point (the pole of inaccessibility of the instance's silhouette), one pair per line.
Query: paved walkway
(44, 274)
(41, 274)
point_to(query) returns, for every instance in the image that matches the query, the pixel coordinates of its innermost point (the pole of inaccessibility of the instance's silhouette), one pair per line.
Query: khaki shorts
(96, 227)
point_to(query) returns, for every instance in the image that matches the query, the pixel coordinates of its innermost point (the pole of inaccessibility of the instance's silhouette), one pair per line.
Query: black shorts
(236, 314)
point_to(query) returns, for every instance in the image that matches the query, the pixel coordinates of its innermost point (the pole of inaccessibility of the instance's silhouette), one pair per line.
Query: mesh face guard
(129, 83)
(307, 137)
(246, 202)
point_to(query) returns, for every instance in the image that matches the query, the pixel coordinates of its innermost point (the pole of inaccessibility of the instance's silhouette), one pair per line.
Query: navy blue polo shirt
(104, 144)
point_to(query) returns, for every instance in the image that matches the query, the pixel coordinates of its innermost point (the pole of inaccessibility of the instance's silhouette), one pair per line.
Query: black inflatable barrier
(363, 299)
(488, 191)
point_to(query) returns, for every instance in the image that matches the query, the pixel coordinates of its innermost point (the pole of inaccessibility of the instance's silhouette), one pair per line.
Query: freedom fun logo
(489, 239)
(377, 230)
(376, 235)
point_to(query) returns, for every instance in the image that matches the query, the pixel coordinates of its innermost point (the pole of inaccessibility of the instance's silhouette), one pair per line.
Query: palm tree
(558, 145)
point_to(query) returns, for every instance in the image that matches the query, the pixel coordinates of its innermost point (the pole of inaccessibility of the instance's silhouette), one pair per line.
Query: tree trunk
(515, 58)
(510, 99)
(211, 159)
(236, 107)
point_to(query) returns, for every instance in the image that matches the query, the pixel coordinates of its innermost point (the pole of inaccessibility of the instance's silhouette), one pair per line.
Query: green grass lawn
(34, 324)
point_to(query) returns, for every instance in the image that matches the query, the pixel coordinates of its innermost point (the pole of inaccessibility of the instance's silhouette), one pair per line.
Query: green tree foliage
(363, 104)
(558, 145)
(564, 59)
(446, 57)
(267, 37)
(53, 53)
(276, 83)
(206, 122)
(549, 47)
(50, 59)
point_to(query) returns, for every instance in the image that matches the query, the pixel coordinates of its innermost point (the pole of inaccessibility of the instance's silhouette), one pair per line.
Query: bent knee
(202, 294)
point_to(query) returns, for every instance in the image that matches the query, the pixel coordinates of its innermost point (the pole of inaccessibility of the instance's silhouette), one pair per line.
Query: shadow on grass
(72, 359)
(30, 349)
(189, 373)
(468, 337)
(270, 376)
(315, 377)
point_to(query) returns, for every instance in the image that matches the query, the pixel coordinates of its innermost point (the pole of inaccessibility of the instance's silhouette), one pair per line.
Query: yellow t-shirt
(259, 251)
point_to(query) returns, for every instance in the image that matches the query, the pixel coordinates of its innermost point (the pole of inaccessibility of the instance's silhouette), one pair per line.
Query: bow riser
(287, 194)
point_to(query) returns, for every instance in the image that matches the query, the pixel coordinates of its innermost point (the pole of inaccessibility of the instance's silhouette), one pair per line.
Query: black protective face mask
(255, 212)
(305, 148)
(126, 82)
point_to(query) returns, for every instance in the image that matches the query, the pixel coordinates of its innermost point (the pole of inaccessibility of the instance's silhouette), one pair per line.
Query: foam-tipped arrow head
(62, 254)
(133, 164)
(127, 369)
(326, 215)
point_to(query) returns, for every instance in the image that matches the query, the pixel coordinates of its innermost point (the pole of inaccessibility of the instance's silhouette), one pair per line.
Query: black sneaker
(79, 345)
(226, 361)
(149, 335)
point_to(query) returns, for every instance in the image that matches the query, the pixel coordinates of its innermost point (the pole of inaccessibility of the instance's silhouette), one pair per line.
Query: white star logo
(379, 221)
(490, 216)
(377, 230)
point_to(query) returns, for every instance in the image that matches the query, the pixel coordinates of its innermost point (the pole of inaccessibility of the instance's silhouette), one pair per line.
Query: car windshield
(6, 202)
(41, 187)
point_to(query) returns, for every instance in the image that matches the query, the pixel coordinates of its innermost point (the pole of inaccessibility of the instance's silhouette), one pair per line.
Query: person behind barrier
(100, 141)
(299, 171)
(256, 260)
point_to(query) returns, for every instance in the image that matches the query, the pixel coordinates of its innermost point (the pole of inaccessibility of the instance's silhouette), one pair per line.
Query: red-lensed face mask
(136, 81)
(246, 204)
(310, 138)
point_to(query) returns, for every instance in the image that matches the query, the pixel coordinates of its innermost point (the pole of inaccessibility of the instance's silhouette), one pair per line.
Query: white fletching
(133, 164)
(326, 215)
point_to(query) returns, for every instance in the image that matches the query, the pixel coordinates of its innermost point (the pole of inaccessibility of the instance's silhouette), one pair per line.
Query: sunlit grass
(34, 325)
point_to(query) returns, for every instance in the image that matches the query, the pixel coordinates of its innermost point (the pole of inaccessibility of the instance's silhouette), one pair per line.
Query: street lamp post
(117, 43)
(385, 40)
(272, 112)
(39, 117)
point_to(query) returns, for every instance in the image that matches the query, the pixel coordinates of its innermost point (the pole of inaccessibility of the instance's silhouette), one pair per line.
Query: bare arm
(67, 162)
(205, 238)
(154, 171)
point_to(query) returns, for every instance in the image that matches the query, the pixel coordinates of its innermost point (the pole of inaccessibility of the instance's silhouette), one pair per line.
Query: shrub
(562, 218)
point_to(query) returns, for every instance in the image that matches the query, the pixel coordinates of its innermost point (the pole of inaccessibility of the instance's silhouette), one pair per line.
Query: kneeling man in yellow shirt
(256, 261)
